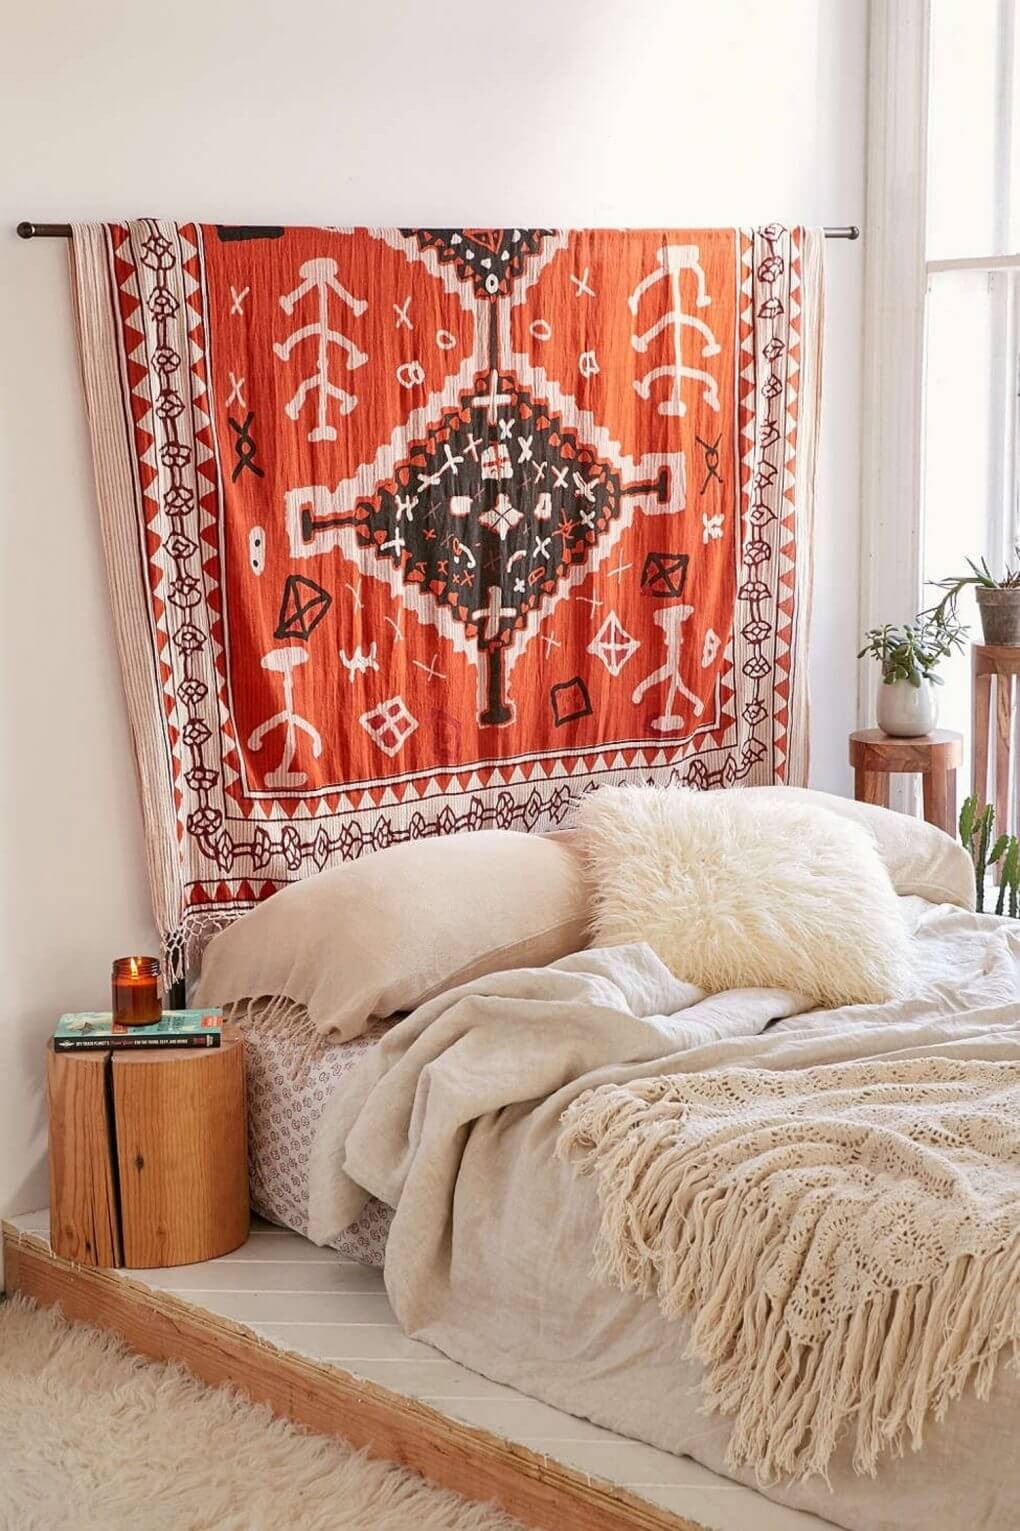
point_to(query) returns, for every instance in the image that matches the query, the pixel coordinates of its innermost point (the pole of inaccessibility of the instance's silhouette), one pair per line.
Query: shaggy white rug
(94, 1438)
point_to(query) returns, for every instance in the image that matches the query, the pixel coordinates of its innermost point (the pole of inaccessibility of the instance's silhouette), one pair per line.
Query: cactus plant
(968, 818)
(981, 859)
(1009, 877)
(976, 826)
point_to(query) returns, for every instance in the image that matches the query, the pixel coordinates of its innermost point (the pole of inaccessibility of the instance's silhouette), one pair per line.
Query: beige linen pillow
(392, 929)
(734, 891)
(919, 858)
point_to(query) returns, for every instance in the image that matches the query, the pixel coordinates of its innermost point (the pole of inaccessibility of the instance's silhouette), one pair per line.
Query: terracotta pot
(905, 711)
(1000, 615)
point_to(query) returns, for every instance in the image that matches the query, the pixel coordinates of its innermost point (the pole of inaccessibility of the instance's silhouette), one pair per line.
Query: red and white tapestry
(412, 531)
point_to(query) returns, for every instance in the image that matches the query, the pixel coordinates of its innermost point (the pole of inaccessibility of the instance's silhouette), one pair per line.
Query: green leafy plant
(976, 826)
(914, 651)
(979, 575)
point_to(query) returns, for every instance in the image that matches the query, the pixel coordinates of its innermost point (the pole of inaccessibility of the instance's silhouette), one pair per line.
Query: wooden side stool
(148, 1154)
(876, 756)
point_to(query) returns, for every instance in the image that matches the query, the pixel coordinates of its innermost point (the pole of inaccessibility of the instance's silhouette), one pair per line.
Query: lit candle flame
(134, 967)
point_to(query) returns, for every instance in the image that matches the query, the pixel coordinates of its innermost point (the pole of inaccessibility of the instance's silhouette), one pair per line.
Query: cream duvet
(453, 1120)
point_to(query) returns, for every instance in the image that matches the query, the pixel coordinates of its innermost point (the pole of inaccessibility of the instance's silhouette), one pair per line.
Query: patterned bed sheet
(287, 1092)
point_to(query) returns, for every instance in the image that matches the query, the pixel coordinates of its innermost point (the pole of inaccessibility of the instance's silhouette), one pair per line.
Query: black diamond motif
(489, 513)
(570, 701)
(491, 259)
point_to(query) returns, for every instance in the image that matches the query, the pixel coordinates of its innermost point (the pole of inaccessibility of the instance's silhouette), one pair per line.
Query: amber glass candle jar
(136, 1000)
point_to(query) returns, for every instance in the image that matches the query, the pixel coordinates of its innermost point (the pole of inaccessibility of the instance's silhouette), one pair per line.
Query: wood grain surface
(182, 1154)
(873, 750)
(84, 1216)
(995, 671)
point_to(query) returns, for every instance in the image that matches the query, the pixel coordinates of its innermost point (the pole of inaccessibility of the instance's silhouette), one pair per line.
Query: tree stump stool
(148, 1154)
(876, 756)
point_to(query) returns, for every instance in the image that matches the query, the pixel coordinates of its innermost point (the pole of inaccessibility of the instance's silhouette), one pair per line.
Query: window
(972, 319)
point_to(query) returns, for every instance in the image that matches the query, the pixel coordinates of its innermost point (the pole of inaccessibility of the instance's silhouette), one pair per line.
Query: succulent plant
(914, 651)
(979, 576)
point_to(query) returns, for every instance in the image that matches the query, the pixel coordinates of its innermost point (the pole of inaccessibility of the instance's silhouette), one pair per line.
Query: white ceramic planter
(905, 711)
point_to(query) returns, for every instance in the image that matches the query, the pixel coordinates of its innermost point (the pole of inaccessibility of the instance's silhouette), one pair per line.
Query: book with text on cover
(86, 1030)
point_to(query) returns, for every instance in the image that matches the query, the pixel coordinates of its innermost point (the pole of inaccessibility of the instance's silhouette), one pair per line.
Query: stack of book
(85, 1030)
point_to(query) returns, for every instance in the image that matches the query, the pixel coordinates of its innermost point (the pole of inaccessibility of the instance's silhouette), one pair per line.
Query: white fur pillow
(733, 892)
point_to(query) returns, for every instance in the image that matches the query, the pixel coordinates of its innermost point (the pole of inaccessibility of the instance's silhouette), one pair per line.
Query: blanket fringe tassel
(275, 1015)
(706, 1250)
(184, 944)
(289, 1021)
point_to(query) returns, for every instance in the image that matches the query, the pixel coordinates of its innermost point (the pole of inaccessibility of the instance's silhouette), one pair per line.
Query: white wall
(354, 111)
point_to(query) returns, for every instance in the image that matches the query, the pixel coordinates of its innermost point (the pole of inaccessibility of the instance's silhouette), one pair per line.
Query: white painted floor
(309, 1301)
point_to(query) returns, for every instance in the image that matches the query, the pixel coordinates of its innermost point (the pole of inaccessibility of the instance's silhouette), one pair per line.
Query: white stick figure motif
(320, 277)
(671, 620)
(284, 662)
(359, 662)
(674, 260)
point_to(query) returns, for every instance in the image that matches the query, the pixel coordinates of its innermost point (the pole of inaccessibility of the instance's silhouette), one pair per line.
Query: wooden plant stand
(876, 756)
(148, 1154)
(994, 667)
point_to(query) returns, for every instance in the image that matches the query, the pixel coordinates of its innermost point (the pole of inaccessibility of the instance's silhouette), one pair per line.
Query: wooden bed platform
(314, 1337)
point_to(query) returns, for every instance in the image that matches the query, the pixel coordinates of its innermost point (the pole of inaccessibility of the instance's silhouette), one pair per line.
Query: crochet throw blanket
(845, 1240)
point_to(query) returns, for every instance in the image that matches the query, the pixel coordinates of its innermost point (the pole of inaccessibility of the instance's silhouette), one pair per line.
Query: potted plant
(910, 656)
(998, 599)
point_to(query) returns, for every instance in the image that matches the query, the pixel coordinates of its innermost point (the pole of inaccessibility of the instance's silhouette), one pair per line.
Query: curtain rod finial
(28, 230)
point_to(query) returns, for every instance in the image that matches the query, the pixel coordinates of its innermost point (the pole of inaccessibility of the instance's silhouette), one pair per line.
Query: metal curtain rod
(63, 231)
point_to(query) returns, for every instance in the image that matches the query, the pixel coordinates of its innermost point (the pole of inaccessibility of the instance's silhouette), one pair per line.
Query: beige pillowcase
(392, 929)
(734, 890)
(920, 859)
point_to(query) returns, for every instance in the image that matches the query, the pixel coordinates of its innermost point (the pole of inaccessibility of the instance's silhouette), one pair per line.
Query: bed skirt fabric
(415, 531)
(292, 1073)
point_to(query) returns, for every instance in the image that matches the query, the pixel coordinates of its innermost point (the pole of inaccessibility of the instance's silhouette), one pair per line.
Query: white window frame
(897, 275)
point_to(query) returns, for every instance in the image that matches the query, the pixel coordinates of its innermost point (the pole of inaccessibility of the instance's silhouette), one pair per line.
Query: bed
(432, 1139)
(491, 1249)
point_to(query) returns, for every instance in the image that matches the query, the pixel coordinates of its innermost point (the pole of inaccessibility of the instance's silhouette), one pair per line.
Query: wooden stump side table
(876, 756)
(148, 1154)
